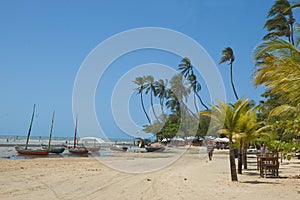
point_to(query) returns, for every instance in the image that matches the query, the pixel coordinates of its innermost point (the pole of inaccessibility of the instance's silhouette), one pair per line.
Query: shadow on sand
(259, 182)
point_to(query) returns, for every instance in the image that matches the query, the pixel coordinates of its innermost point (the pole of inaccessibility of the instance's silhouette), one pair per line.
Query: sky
(45, 43)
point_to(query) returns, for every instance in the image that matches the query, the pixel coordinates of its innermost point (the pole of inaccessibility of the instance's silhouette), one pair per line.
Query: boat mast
(51, 128)
(28, 135)
(75, 131)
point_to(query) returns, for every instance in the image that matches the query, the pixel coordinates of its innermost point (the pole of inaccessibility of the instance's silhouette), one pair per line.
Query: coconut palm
(278, 69)
(228, 56)
(150, 86)
(281, 9)
(172, 103)
(141, 83)
(277, 27)
(227, 117)
(196, 87)
(249, 129)
(187, 71)
(161, 92)
(179, 93)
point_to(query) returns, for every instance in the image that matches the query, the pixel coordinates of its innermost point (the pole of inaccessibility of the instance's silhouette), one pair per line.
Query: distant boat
(25, 150)
(52, 149)
(91, 143)
(118, 148)
(77, 149)
(155, 147)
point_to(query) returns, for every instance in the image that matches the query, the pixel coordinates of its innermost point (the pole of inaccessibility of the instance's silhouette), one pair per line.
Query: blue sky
(43, 44)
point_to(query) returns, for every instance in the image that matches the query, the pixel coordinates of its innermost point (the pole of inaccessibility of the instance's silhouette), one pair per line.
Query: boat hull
(79, 150)
(23, 151)
(152, 149)
(57, 149)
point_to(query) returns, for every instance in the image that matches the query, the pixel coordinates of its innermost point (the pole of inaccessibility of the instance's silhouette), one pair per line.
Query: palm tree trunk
(189, 110)
(151, 99)
(292, 34)
(162, 106)
(240, 162)
(142, 102)
(200, 99)
(232, 161)
(245, 156)
(195, 103)
(232, 165)
(232, 85)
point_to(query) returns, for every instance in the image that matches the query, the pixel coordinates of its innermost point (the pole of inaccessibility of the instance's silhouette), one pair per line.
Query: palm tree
(187, 72)
(140, 82)
(173, 103)
(179, 93)
(278, 69)
(178, 90)
(280, 10)
(249, 129)
(151, 87)
(161, 92)
(277, 27)
(228, 56)
(227, 117)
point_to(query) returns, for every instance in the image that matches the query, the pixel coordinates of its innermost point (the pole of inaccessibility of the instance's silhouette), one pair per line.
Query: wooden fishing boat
(38, 151)
(77, 149)
(53, 149)
(155, 147)
(25, 150)
(57, 149)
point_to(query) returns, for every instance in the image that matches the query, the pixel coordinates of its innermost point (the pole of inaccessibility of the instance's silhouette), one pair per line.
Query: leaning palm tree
(228, 56)
(180, 92)
(151, 87)
(227, 117)
(172, 103)
(278, 69)
(277, 27)
(161, 92)
(282, 8)
(187, 71)
(141, 82)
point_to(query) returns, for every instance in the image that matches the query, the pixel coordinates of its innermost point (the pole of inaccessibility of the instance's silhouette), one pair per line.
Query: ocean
(7, 143)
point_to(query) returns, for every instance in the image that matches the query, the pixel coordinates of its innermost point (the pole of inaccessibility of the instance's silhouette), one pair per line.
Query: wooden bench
(268, 164)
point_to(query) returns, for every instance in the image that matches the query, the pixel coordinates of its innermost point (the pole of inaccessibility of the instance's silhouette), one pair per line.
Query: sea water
(7, 150)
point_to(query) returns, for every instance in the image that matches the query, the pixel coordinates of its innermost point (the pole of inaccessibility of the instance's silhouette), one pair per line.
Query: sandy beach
(191, 176)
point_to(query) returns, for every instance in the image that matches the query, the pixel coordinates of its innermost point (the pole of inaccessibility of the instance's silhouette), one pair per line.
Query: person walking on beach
(210, 149)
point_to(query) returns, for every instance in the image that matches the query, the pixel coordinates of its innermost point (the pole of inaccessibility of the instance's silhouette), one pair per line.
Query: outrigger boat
(25, 150)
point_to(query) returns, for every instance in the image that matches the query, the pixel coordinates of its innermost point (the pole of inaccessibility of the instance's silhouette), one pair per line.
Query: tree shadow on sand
(259, 182)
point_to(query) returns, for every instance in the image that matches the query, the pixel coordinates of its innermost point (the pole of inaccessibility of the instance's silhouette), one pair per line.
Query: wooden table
(268, 164)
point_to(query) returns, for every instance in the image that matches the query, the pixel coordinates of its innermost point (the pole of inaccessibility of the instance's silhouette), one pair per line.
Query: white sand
(190, 177)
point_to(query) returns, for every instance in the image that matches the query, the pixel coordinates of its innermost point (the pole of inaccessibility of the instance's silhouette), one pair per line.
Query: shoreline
(191, 176)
